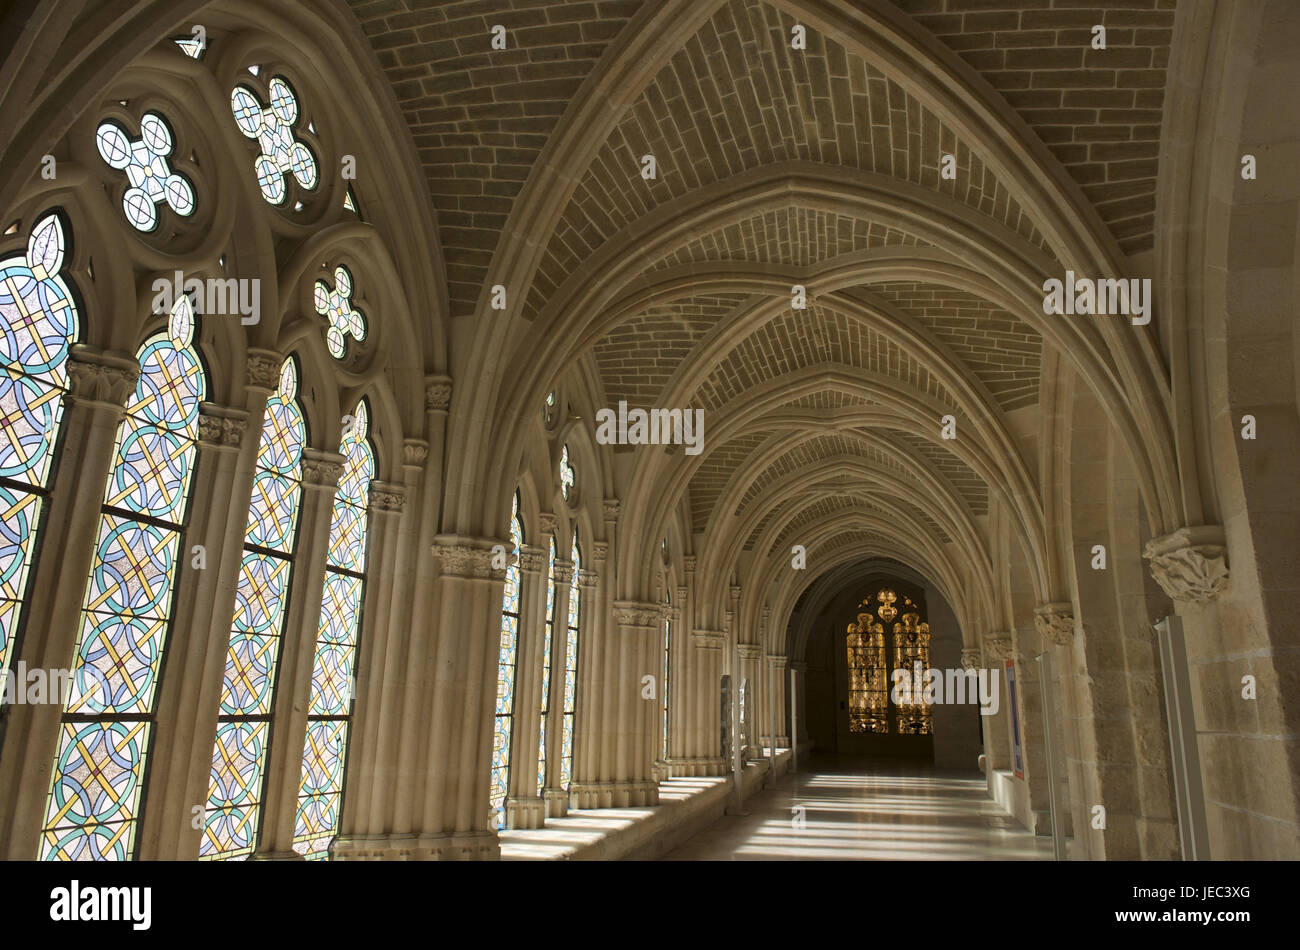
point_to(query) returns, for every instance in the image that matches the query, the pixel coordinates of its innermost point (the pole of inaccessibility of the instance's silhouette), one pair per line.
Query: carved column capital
(735, 593)
(1191, 564)
(548, 522)
(221, 427)
(970, 658)
(262, 369)
(1055, 622)
(532, 560)
(100, 376)
(777, 660)
(468, 557)
(385, 496)
(437, 393)
(749, 651)
(673, 613)
(998, 644)
(800, 667)
(587, 579)
(688, 564)
(321, 469)
(563, 571)
(636, 614)
(611, 508)
(414, 453)
(600, 550)
(708, 639)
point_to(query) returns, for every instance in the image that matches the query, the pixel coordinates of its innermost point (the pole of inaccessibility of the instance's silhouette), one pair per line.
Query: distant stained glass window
(571, 667)
(568, 477)
(546, 665)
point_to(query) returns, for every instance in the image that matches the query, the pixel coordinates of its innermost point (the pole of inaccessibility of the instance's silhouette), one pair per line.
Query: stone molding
(587, 579)
(437, 394)
(548, 522)
(611, 508)
(749, 651)
(640, 615)
(708, 639)
(451, 846)
(262, 369)
(970, 658)
(1191, 564)
(221, 426)
(688, 563)
(1055, 622)
(467, 557)
(386, 496)
(98, 376)
(600, 550)
(777, 660)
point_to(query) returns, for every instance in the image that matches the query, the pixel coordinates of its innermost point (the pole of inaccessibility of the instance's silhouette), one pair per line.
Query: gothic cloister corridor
(483, 430)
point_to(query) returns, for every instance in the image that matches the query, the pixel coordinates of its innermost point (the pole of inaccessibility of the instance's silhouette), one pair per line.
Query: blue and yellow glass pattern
(503, 722)
(570, 668)
(38, 324)
(104, 739)
(239, 753)
(329, 711)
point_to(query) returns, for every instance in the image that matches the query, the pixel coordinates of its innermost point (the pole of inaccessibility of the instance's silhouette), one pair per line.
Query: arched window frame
(548, 642)
(569, 709)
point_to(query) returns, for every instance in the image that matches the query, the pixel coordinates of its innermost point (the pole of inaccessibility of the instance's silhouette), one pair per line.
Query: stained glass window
(570, 668)
(503, 722)
(329, 711)
(873, 707)
(40, 321)
(152, 181)
(668, 654)
(546, 665)
(281, 154)
(568, 478)
(243, 724)
(342, 317)
(104, 737)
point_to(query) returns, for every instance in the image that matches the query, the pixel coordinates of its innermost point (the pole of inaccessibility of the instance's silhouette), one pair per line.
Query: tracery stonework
(1055, 622)
(1190, 565)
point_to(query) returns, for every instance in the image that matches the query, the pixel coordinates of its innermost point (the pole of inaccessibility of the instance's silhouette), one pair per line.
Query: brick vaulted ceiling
(735, 97)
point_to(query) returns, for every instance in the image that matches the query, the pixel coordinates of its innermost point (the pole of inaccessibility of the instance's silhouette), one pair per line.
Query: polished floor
(868, 809)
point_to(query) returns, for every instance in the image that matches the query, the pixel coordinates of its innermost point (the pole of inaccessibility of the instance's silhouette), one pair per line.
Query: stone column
(388, 576)
(555, 797)
(524, 806)
(320, 478)
(997, 727)
(778, 664)
(800, 704)
(750, 672)
(100, 384)
(218, 513)
(594, 747)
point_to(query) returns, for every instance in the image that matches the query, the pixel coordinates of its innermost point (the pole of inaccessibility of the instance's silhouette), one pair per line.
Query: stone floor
(868, 809)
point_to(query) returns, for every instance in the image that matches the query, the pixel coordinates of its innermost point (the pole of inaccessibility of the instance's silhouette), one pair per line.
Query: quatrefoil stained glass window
(335, 305)
(104, 738)
(272, 126)
(150, 176)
